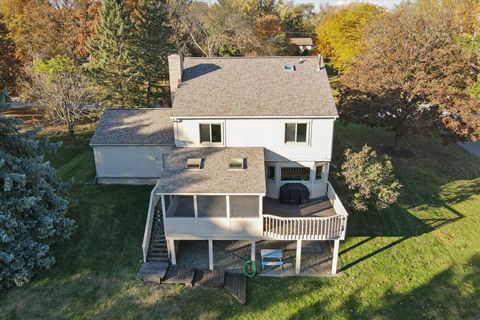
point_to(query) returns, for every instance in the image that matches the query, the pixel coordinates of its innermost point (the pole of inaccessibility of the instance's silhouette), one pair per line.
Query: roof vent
(239, 163)
(195, 163)
(289, 67)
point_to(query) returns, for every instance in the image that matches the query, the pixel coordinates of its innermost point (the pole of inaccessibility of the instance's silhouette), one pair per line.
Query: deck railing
(312, 228)
(335, 200)
(148, 225)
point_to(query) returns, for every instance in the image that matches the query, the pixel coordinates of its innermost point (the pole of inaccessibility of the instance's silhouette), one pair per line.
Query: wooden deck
(153, 271)
(179, 275)
(319, 207)
(209, 278)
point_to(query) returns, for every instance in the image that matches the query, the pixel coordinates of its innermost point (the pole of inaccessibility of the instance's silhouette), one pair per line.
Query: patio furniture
(271, 257)
(294, 193)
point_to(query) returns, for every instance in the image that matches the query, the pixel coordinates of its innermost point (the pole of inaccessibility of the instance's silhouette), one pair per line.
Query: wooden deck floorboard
(153, 271)
(179, 275)
(236, 285)
(209, 278)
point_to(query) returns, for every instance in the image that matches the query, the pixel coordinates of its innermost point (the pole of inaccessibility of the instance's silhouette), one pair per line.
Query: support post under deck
(336, 246)
(298, 257)
(173, 256)
(210, 254)
(252, 252)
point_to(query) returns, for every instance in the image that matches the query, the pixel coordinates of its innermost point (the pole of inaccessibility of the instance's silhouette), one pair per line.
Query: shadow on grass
(434, 179)
(451, 294)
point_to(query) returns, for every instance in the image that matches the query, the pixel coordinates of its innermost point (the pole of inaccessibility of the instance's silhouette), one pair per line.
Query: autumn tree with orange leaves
(413, 77)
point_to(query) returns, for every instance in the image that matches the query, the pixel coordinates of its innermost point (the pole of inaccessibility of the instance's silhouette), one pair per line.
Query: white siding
(129, 161)
(268, 133)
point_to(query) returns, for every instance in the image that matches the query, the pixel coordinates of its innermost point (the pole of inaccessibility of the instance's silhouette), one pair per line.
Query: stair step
(158, 259)
(158, 247)
(157, 250)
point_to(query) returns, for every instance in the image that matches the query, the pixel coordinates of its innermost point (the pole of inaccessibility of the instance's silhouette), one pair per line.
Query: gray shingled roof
(302, 41)
(253, 86)
(215, 177)
(135, 126)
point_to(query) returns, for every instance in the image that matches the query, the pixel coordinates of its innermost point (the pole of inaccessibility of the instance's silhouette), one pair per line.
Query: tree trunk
(397, 142)
(71, 133)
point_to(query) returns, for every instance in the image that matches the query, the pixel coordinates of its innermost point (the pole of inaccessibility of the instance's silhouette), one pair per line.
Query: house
(242, 133)
(304, 45)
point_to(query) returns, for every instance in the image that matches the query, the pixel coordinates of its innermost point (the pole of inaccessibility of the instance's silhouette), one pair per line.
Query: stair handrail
(149, 223)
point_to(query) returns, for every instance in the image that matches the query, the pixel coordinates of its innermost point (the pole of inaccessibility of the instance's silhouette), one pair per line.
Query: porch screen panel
(244, 207)
(212, 206)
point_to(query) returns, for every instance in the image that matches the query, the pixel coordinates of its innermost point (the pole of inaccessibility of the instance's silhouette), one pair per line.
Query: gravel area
(316, 256)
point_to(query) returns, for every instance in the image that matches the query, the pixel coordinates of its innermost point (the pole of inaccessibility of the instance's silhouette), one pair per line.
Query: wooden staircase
(156, 266)
(157, 251)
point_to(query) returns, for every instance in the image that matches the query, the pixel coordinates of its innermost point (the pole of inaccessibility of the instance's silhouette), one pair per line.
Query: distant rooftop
(135, 126)
(302, 41)
(253, 86)
(214, 175)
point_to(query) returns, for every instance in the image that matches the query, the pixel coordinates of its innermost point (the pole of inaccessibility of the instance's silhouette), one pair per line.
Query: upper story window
(295, 132)
(210, 133)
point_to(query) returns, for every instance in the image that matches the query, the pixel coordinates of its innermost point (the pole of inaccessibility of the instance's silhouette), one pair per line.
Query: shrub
(371, 178)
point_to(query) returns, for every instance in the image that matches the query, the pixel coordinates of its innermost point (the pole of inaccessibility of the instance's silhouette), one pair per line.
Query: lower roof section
(215, 175)
(149, 126)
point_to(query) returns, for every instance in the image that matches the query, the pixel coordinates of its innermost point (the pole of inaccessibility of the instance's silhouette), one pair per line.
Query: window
(210, 133)
(271, 172)
(295, 174)
(239, 163)
(318, 172)
(295, 132)
(194, 163)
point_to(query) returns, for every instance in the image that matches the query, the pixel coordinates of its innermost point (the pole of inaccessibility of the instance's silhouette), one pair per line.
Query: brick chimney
(175, 70)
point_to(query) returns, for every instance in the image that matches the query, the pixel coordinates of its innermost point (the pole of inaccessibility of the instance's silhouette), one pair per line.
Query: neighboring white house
(303, 44)
(239, 130)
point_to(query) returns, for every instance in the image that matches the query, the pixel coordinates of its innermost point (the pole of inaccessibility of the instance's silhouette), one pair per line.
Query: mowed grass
(418, 259)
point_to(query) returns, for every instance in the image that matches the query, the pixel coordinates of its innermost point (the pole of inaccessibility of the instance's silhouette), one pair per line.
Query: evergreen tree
(32, 205)
(111, 60)
(152, 45)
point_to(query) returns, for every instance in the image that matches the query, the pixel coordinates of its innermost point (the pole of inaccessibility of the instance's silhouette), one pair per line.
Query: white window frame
(307, 133)
(210, 126)
(308, 180)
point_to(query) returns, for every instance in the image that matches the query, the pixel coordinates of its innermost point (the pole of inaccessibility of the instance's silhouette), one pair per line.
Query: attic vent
(195, 163)
(289, 67)
(239, 163)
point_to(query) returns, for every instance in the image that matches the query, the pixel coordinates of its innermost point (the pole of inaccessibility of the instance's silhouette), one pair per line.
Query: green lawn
(419, 259)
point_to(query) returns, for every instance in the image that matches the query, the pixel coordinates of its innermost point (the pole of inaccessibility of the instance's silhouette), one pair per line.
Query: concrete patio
(231, 255)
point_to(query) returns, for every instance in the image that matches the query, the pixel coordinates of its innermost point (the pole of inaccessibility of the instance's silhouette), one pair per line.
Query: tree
(371, 178)
(340, 36)
(39, 27)
(32, 205)
(111, 57)
(9, 64)
(152, 45)
(413, 77)
(63, 93)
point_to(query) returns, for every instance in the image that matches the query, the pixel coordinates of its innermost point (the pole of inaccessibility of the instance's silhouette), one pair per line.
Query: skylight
(238, 163)
(194, 163)
(289, 67)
